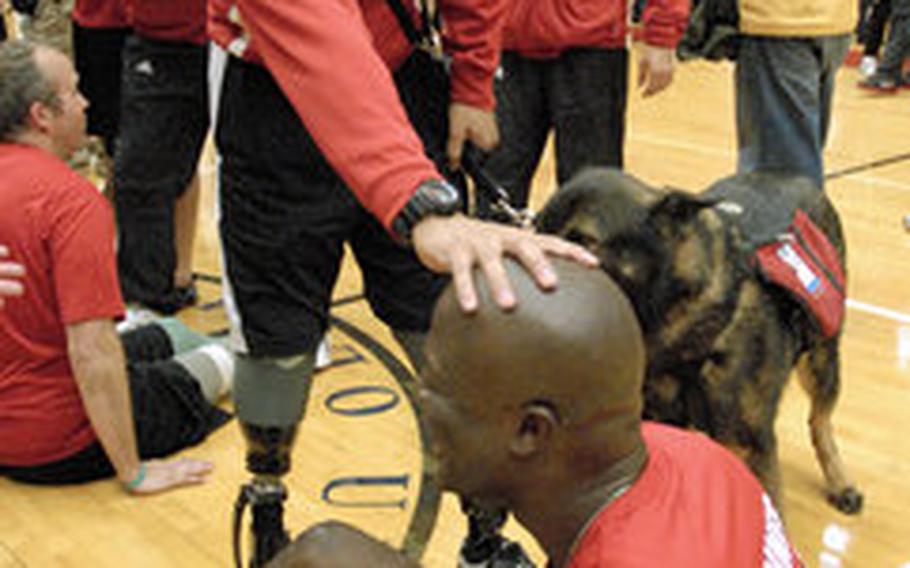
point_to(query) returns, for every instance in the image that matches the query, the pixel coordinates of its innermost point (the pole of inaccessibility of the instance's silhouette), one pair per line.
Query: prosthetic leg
(270, 396)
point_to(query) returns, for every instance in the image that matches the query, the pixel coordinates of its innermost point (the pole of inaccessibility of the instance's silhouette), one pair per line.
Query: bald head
(578, 348)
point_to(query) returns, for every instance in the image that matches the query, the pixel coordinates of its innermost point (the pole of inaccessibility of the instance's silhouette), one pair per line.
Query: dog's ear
(676, 210)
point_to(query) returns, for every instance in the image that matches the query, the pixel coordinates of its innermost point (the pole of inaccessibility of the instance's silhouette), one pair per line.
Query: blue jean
(784, 88)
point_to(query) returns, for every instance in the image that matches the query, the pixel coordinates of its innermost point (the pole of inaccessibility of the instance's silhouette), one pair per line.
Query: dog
(721, 341)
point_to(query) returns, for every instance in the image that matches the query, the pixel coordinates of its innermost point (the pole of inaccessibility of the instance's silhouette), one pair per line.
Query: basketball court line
(850, 171)
(874, 164)
(887, 313)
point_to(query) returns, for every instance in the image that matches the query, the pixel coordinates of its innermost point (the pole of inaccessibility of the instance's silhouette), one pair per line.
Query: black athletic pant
(580, 95)
(286, 214)
(164, 121)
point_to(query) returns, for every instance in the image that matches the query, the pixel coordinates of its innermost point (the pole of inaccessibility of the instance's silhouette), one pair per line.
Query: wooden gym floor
(358, 455)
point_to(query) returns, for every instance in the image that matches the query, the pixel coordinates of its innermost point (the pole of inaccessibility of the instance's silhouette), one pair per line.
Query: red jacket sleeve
(321, 54)
(473, 36)
(665, 21)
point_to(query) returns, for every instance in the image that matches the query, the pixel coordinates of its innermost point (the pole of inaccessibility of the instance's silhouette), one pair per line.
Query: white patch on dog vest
(807, 277)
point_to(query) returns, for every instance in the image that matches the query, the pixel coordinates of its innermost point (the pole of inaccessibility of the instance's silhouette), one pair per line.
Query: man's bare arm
(98, 363)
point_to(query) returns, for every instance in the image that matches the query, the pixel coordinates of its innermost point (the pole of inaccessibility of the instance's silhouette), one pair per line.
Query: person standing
(164, 122)
(72, 409)
(334, 128)
(565, 70)
(789, 53)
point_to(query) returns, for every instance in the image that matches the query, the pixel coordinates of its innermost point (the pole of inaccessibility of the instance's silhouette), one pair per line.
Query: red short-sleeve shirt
(57, 225)
(695, 504)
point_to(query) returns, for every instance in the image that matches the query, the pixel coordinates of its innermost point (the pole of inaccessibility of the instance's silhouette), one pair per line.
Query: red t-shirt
(695, 504)
(332, 58)
(57, 225)
(545, 28)
(102, 14)
(170, 20)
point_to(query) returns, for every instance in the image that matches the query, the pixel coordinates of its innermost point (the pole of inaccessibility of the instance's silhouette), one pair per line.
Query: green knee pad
(272, 391)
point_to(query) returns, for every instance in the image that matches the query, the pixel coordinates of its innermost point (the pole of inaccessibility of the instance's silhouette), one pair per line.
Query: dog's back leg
(819, 373)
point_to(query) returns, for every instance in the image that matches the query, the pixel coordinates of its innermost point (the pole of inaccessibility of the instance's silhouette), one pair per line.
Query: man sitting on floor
(65, 387)
(538, 411)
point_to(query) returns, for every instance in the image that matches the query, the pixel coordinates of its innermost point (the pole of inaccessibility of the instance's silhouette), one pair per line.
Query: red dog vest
(805, 263)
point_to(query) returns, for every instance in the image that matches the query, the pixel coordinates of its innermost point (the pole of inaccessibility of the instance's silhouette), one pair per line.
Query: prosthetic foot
(268, 458)
(484, 547)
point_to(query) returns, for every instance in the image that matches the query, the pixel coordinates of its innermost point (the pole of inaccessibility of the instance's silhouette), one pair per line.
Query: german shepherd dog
(721, 343)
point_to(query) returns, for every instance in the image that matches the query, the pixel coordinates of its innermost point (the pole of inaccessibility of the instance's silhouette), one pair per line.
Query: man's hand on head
(470, 124)
(655, 68)
(457, 244)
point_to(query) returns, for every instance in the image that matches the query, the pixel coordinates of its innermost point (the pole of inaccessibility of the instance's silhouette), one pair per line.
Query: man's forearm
(101, 376)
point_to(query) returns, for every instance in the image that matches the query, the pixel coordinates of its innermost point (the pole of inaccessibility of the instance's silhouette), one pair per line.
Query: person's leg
(588, 101)
(284, 215)
(400, 290)
(524, 124)
(898, 46)
(873, 32)
(212, 367)
(833, 50)
(171, 404)
(186, 214)
(778, 108)
(164, 123)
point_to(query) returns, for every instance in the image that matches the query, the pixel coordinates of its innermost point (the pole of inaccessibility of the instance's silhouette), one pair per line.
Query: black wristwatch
(433, 197)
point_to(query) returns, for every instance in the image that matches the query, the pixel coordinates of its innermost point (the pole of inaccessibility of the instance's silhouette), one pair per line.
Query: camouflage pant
(51, 25)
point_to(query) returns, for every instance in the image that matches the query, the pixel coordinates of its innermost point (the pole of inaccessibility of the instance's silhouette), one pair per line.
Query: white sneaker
(867, 65)
(324, 353)
(136, 317)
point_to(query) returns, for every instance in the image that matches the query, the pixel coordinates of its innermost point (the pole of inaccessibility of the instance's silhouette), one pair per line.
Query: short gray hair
(22, 84)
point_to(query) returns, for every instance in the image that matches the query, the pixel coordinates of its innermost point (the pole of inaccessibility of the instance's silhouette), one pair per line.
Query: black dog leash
(471, 162)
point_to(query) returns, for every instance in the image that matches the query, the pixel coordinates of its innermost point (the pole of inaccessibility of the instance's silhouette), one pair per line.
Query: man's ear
(534, 432)
(676, 209)
(39, 116)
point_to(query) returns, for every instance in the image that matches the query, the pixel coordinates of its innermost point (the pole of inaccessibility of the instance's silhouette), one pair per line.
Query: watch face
(444, 194)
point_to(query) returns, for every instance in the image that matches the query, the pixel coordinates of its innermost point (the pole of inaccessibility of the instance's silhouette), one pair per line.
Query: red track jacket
(332, 59)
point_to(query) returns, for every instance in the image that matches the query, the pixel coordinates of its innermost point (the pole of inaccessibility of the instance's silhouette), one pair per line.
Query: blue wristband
(132, 484)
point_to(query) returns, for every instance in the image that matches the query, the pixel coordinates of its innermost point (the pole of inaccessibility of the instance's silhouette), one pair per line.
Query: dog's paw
(848, 501)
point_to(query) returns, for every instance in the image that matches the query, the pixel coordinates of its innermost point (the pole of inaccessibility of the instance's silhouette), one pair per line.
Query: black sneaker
(880, 83)
(179, 298)
(497, 553)
(186, 296)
